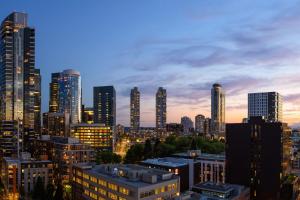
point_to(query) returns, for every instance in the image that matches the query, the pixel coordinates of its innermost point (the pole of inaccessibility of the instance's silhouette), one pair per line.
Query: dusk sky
(184, 46)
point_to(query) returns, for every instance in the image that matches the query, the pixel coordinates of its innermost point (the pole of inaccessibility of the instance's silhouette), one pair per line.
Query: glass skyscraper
(161, 109)
(105, 105)
(19, 83)
(217, 109)
(134, 110)
(69, 94)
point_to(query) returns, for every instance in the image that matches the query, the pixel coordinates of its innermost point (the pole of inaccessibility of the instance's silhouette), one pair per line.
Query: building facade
(200, 124)
(122, 182)
(21, 174)
(98, 136)
(217, 109)
(161, 109)
(69, 94)
(54, 93)
(63, 152)
(187, 124)
(258, 156)
(56, 124)
(134, 110)
(17, 82)
(266, 104)
(105, 105)
(87, 115)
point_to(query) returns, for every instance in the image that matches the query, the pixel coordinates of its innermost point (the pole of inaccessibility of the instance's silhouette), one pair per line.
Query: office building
(98, 136)
(87, 115)
(187, 124)
(258, 156)
(56, 124)
(105, 105)
(217, 109)
(207, 126)
(200, 124)
(63, 152)
(21, 174)
(266, 104)
(134, 110)
(161, 109)
(69, 94)
(214, 191)
(18, 94)
(122, 182)
(54, 92)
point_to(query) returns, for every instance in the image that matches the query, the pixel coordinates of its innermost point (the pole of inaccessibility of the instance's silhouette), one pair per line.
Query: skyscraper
(134, 110)
(37, 102)
(17, 80)
(161, 109)
(266, 104)
(258, 156)
(105, 105)
(200, 124)
(53, 93)
(69, 87)
(217, 109)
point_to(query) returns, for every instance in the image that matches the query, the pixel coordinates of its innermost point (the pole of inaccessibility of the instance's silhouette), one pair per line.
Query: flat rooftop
(121, 173)
(167, 161)
(203, 156)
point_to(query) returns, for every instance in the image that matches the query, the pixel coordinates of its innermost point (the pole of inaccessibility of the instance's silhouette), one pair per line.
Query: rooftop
(167, 161)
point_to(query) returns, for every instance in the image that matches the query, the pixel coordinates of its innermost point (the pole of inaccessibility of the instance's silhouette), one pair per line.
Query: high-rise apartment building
(69, 87)
(217, 109)
(105, 105)
(187, 124)
(53, 93)
(266, 104)
(200, 124)
(17, 81)
(258, 156)
(161, 109)
(134, 110)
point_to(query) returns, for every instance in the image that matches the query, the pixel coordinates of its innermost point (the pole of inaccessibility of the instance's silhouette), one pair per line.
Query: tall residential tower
(17, 82)
(134, 110)
(161, 109)
(267, 105)
(217, 109)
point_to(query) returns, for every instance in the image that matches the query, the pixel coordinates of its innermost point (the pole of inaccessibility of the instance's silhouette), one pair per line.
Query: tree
(164, 150)
(148, 149)
(39, 189)
(50, 191)
(59, 193)
(193, 145)
(104, 157)
(134, 154)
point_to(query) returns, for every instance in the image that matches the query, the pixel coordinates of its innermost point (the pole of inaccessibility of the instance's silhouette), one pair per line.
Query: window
(112, 196)
(102, 182)
(124, 190)
(112, 186)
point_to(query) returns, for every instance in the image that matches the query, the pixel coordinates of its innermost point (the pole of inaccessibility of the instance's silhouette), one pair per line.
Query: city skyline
(210, 46)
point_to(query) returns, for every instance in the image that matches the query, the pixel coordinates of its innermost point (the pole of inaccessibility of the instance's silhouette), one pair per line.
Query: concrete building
(134, 110)
(217, 109)
(266, 104)
(258, 156)
(122, 182)
(98, 136)
(21, 174)
(87, 115)
(63, 152)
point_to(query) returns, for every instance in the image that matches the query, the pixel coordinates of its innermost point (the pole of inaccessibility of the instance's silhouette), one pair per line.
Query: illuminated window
(124, 190)
(112, 186)
(112, 196)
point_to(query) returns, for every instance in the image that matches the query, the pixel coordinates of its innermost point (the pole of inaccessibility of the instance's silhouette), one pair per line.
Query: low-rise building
(122, 182)
(186, 169)
(213, 191)
(63, 152)
(21, 174)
